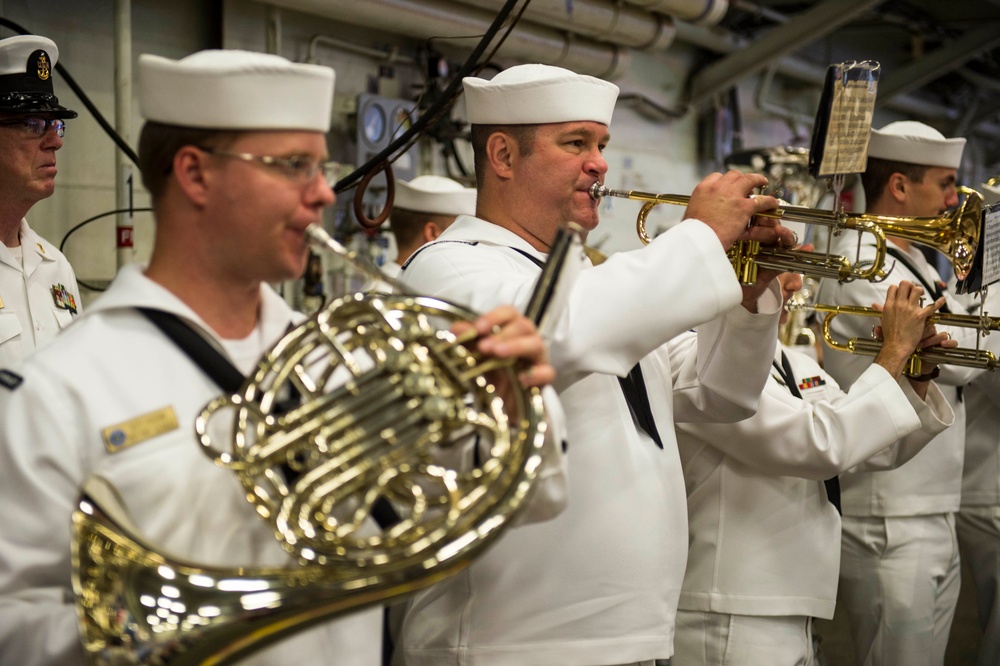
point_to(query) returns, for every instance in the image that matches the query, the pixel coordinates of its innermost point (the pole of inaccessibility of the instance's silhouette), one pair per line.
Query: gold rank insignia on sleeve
(64, 298)
(135, 431)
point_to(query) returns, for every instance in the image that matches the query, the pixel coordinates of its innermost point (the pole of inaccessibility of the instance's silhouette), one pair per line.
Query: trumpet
(370, 403)
(971, 358)
(956, 235)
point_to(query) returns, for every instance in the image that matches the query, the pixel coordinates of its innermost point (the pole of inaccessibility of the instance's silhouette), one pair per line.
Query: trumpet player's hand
(506, 333)
(904, 325)
(723, 202)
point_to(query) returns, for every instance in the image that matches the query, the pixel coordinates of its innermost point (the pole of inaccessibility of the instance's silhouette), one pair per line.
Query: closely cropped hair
(159, 143)
(876, 176)
(407, 225)
(523, 134)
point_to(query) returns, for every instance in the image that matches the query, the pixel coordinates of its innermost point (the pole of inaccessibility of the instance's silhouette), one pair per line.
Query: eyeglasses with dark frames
(35, 125)
(298, 168)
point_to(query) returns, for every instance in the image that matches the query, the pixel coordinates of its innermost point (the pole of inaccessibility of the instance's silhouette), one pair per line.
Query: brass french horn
(381, 449)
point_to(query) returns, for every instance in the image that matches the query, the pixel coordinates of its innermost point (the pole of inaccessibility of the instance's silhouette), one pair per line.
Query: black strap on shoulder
(197, 348)
(633, 386)
(935, 290)
(785, 370)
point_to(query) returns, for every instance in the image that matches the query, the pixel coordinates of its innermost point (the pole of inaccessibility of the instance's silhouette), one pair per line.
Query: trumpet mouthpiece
(597, 191)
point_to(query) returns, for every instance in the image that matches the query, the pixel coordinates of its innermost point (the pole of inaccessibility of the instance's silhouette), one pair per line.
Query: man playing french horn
(237, 173)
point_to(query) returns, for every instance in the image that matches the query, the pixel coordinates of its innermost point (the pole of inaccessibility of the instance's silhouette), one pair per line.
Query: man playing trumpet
(900, 564)
(599, 584)
(764, 527)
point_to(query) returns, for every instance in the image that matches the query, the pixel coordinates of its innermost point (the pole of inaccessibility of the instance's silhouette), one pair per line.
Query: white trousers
(979, 538)
(720, 639)
(899, 580)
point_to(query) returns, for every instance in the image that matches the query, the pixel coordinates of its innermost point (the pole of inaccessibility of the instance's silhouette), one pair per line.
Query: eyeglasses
(36, 126)
(297, 169)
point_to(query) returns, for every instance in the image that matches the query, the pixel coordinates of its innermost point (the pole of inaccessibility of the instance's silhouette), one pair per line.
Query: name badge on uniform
(135, 431)
(64, 298)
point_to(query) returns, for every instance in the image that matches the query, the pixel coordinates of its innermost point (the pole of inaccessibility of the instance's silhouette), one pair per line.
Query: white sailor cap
(991, 193)
(435, 194)
(915, 143)
(538, 94)
(26, 65)
(240, 90)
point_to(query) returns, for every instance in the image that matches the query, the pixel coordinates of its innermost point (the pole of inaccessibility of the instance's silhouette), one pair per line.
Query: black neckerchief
(633, 386)
(785, 370)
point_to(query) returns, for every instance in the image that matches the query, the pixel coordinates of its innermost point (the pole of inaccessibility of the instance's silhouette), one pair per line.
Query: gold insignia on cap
(140, 429)
(43, 66)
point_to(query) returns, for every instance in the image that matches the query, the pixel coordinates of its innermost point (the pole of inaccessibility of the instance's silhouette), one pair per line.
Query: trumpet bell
(384, 454)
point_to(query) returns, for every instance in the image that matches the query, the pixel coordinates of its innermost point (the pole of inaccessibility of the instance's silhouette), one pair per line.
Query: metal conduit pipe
(720, 41)
(614, 22)
(124, 230)
(701, 12)
(455, 24)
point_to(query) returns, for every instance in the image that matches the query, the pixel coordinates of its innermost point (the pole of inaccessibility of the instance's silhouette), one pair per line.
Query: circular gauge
(373, 123)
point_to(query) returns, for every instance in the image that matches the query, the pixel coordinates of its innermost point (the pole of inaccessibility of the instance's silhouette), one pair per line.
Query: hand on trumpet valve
(723, 202)
(904, 328)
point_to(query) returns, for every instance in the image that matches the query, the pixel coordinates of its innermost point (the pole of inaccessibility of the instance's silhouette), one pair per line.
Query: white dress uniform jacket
(764, 538)
(981, 479)
(109, 368)
(978, 521)
(30, 314)
(932, 482)
(598, 584)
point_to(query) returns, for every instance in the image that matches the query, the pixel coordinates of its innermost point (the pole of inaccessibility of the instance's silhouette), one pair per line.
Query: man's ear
(190, 171)
(431, 231)
(898, 187)
(500, 151)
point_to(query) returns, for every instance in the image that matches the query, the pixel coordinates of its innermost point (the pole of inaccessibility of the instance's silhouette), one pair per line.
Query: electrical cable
(442, 104)
(62, 243)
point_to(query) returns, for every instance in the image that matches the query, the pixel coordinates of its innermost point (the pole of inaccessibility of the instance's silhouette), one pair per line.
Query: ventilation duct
(617, 22)
(453, 23)
(702, 12)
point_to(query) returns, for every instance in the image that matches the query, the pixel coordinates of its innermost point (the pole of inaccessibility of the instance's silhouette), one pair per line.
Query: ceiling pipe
(454, 24)
(939, 62)
(822, 19)
(617, 22)
(718, 40)
(700, 12)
